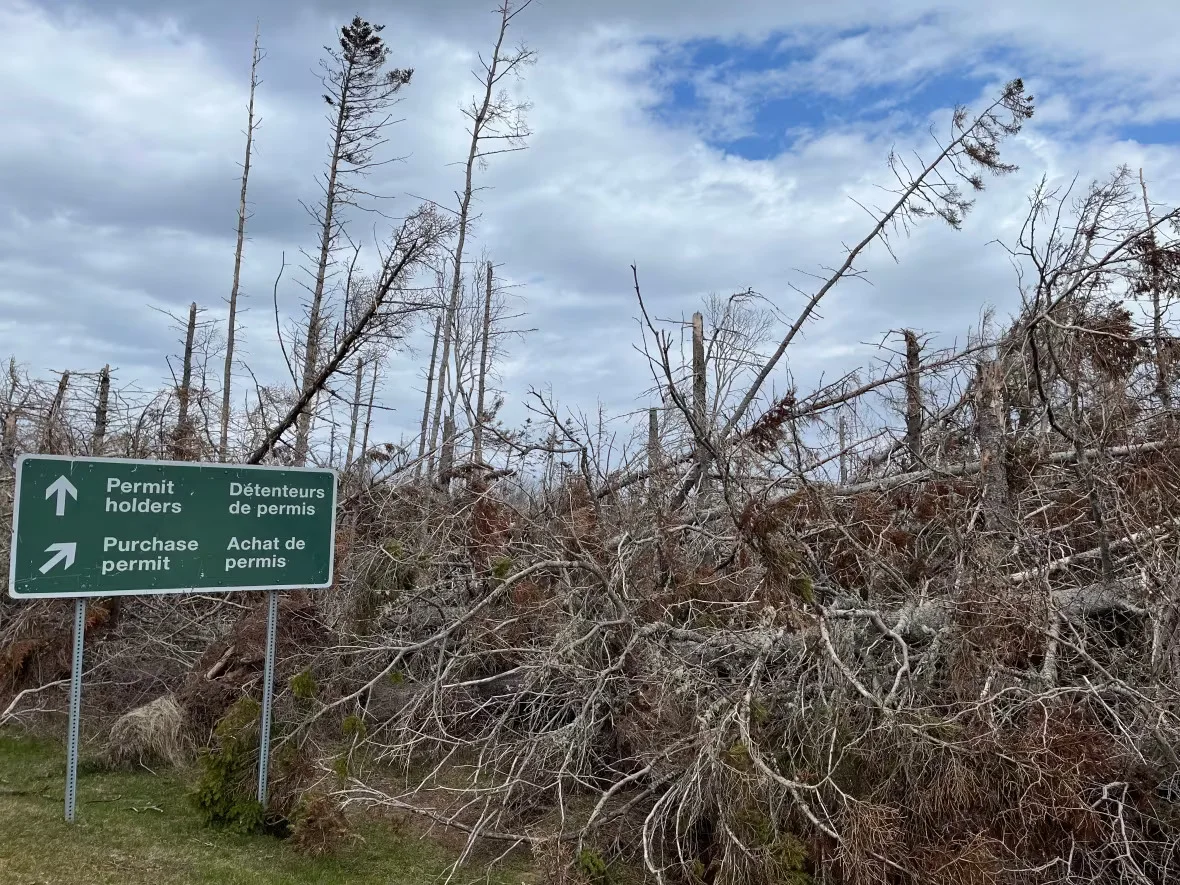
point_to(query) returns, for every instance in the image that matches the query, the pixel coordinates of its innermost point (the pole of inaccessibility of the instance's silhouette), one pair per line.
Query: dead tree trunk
(913, 399)
(477, 431)
(1086, 473)
(653, 442)
(231, 325)
(989, 429)
(429, 390)
(487, 116)
(49, 437)
(699, 404)
(1162, 386)
(368, 416)
(182, 437)
(356, 412)
(842, 442)
(446, 461)
(359, 89)
(9, 444)
(100, 411)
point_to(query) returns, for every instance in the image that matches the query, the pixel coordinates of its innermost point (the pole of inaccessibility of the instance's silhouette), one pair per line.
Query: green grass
(136, 827)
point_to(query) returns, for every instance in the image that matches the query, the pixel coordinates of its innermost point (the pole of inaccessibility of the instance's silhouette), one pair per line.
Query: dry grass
(149, 736)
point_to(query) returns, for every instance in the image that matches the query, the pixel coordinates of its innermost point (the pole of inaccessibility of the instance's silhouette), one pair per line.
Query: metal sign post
(268, 679)
(75, 709)
(117, 527)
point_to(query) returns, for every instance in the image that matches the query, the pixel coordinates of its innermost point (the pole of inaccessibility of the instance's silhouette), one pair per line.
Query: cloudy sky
(716, 145)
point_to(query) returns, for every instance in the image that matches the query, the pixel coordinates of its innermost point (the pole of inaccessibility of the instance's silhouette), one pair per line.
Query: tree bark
(368, 416)
(231, 324)
(446, 461)
(842, 442)
(311, 347)
(478, 120)
(989, 429)
(1162, 386)
(429, 390)
(182, 436)
(913, 398)
(356, 412)
(9, 444)
(100, 411)
(49, 438)
(477, 431)
(699, 397)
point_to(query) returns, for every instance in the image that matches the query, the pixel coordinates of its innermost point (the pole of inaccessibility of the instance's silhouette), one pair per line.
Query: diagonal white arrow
(61, 487)
(60, 552)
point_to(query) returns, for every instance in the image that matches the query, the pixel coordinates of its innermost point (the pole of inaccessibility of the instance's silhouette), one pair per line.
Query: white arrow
(61, 487)
(60, 552)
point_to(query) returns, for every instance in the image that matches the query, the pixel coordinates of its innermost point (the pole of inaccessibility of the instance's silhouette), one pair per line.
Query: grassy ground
(137, 828)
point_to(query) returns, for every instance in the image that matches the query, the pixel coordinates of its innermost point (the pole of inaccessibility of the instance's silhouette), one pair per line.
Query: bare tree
(231, 321)
(493, 117)
(359, 91)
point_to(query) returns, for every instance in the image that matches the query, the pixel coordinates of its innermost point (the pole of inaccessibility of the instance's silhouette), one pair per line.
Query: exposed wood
(429, 388)
(1163, 386)
(356, 412)
(49, 437)
(232, 320)
(913, 398)
(700, 398)
(486, 332)
(100, 411)
(183, 435)
(989, 430)
(363, 455)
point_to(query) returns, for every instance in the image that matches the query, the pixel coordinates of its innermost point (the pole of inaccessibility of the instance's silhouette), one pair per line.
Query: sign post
(85, 527)
(75, 709)
(268, 680)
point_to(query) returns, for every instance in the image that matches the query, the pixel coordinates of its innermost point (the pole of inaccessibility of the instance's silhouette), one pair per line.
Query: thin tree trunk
(182, 435)
(842, 442)
(9, 445)
(478, 120)
(449, 330)
(231, 326)
(477, 443)
(429, 389)
(989, 428)
(447, 458)
(1162, 387)
(1085, 471)
(100, 411)
(913, 398)
(368, 416)
(356, 412)
(311, 347)
(699, 405)
(48, 439)
(653, 450)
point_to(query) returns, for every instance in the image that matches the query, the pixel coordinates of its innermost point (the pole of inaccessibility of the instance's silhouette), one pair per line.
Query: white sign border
(149, 462)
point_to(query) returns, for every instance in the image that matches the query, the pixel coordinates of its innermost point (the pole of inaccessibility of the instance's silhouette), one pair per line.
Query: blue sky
(770, 115)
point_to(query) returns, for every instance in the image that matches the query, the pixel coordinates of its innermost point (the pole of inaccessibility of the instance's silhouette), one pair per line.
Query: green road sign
(108, 526)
